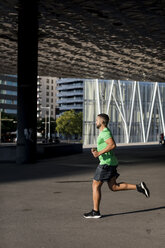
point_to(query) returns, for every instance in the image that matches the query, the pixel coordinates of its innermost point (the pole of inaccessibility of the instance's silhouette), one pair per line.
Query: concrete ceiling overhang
(107, 39)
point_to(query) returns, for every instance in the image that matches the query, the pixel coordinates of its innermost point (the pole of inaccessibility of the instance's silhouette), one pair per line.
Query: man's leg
(142, 188)
(114, 186)
(95, 213)
(96, 186)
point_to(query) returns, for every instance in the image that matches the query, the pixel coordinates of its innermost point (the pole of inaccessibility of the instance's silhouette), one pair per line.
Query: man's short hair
(105, 119)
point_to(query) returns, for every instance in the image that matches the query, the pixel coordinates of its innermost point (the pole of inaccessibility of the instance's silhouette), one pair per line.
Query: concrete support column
(0, 126)
(27, 81)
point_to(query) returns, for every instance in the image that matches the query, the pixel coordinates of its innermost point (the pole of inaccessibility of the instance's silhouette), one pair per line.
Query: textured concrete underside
(91, 39)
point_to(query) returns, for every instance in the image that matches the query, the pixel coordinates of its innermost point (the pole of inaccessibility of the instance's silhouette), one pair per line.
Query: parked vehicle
(162, 139)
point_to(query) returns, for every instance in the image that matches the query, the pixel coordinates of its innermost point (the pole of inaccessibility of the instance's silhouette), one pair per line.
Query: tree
(70, 123)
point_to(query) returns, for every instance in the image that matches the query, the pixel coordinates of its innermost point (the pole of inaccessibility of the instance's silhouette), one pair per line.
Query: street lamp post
(49, 121)
(45, 126)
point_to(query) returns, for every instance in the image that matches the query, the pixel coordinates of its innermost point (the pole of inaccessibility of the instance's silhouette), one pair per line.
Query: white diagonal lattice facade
(136, 109)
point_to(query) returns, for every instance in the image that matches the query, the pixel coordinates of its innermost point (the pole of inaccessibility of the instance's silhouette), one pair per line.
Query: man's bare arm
(110, 146)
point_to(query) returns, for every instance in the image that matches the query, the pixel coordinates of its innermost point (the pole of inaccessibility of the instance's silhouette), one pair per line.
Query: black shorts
(105, 172)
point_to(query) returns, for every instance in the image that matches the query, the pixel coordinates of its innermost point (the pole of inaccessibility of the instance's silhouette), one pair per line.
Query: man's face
(99, 122)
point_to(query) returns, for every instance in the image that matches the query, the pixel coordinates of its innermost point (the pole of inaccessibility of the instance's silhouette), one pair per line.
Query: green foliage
(70, 123)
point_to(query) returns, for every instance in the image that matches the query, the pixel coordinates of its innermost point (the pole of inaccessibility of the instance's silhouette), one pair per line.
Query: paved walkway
(42, 204)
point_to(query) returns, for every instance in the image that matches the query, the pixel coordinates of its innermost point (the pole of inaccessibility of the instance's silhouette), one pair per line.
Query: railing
(65, 107)
(66, 80)
(72, 86)
(70, 100)
(72, 93)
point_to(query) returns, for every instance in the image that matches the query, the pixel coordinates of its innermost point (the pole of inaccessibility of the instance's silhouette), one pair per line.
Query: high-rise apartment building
(46, 97)
(8, 94)
(70, 94)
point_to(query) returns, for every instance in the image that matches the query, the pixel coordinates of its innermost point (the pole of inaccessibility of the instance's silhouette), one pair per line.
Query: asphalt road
(42, 205)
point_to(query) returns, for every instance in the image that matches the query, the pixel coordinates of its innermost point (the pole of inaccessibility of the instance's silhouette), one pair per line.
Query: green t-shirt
(108, 158)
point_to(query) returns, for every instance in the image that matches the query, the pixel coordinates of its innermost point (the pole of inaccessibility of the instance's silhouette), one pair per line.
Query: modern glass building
(8, 94)
(136, 110)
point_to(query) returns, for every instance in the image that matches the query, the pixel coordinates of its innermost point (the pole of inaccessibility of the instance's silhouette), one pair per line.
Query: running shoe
(93, 214)
(142, 188)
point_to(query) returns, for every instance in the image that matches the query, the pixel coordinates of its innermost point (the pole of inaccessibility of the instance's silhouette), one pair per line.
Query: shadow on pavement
(134, 212)
(79, 164)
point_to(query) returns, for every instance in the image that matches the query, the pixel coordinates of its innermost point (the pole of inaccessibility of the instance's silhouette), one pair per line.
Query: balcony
(72, 100)
(72, 86)
(69, 80)
(68, 107)
(71, 93)
(39, 90)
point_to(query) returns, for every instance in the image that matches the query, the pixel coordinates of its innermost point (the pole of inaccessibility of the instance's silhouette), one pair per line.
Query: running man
(107, 168)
